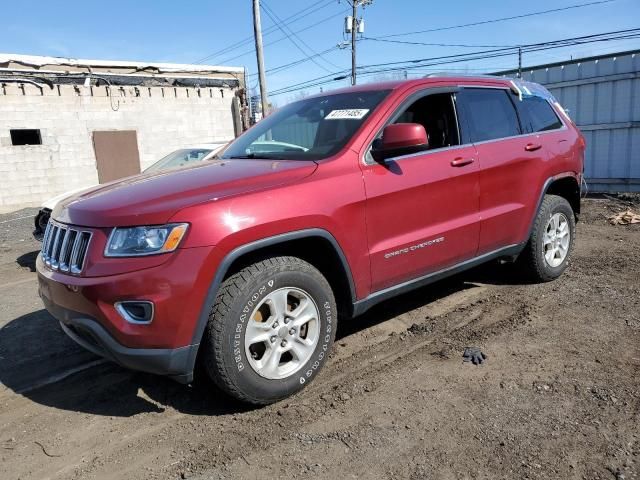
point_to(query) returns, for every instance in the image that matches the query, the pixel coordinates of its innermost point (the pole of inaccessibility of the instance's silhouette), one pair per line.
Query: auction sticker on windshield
(350, 113)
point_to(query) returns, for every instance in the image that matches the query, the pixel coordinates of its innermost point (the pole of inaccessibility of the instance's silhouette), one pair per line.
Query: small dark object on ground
(474, 355)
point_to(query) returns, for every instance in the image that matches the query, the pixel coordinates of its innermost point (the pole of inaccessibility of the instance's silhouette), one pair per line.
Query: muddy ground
(559, 396)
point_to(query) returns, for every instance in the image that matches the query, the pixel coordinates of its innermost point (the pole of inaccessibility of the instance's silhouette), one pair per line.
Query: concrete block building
(70, 123)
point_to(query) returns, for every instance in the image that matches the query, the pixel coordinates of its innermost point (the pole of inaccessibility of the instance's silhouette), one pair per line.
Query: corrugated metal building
(602, 95)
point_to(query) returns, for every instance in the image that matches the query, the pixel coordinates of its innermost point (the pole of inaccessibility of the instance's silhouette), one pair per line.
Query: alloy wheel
(556, 240)
(282, 333)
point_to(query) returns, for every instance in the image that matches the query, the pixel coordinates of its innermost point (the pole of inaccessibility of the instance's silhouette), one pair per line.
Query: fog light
(135, 311)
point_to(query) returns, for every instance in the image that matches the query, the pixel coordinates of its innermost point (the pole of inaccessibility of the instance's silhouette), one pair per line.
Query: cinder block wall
(165, 119)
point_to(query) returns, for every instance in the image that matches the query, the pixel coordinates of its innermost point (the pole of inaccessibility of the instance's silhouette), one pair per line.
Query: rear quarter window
(489, 114)
(536, 115)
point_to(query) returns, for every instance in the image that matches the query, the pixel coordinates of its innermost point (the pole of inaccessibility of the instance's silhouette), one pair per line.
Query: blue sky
(187, 32)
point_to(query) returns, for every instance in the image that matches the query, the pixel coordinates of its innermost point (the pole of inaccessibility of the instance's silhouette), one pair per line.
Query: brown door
(117, 154)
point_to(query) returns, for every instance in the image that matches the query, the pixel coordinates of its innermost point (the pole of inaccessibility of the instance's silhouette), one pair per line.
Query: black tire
(225, 357)
(41, 221)
(531, 262)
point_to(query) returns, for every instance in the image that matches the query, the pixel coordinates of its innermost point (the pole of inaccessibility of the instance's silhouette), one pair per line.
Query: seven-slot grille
(64, 248)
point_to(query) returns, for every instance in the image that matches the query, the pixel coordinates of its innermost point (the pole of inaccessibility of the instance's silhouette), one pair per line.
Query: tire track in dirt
(451, 327)
(575, 337)
(365, 353)
(443, 332)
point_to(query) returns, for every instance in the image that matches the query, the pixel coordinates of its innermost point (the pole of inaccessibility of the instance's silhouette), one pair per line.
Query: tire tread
(231, 288)
(531, 263)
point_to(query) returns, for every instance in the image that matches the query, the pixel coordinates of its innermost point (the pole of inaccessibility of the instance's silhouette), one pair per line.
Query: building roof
(572, 61)
(36, 61)
(119, 72)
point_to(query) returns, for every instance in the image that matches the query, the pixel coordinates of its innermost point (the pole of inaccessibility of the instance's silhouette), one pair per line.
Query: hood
(52, 202)
(153, 198)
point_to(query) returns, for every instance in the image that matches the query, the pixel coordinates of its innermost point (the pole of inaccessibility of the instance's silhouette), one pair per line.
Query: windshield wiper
(256, 156)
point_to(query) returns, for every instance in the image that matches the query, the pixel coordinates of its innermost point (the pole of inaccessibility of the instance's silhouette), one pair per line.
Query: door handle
(532, 147)
(461, 161)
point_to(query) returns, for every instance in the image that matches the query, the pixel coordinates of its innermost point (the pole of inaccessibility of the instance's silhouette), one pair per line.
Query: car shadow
(28, 260)
(492, 273)
(39, 362)
(396, 306)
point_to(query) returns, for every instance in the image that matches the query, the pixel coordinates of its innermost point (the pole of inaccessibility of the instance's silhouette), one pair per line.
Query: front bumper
(176, 363)
(85, 308)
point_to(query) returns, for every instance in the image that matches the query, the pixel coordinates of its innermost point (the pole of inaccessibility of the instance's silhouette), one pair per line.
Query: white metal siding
(602, 96)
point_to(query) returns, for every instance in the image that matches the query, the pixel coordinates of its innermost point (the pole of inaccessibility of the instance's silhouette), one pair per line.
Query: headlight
(138, 241)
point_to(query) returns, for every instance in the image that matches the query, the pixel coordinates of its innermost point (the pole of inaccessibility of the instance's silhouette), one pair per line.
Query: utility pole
(355, 26)
(257, 33)
(354, 29)
(519, 62)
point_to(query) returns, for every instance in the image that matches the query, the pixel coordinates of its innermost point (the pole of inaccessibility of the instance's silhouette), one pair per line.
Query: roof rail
(453, 74)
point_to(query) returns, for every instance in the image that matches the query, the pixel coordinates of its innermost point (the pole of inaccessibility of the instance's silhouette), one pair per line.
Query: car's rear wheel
(270, 330)
(546, 255)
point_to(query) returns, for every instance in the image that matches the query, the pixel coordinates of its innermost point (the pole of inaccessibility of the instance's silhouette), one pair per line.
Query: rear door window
(489, 114)
(536, 115)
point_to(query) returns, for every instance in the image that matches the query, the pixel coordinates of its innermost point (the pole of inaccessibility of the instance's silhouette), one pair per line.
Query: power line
(290, 19)
(534, 47)
(463, 57)
(505, 51)
(377, 39)
(290, 38)
(302, 41)
(303, 84)
(592, 37)
(314, 7)
(482, 57)
(495, 20)
(298, 62)
(442, 57)
(308, 27)
(280, 68)
(441, 61)
(276, 20)
(386, 39)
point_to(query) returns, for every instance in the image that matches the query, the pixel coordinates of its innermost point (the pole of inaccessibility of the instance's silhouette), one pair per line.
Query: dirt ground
(558, 397)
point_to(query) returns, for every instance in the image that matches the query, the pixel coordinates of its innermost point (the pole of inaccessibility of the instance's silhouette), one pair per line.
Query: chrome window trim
(509, 91)
(491, 87)
(557, 114)
(426, 152)
(425, 92)
(523, 135)
(455, 115)
(563, 127)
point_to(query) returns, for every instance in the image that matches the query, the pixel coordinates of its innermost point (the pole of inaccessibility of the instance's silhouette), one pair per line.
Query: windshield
(180, 158)
(310, 129)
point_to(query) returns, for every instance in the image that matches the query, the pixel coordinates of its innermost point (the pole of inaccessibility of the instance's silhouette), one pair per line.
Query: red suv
(328, 206)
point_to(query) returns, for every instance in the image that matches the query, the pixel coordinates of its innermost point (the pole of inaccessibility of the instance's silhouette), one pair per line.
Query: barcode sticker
(351, 113)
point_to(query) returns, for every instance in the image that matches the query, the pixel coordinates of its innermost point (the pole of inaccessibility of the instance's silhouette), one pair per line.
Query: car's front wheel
(270, 330)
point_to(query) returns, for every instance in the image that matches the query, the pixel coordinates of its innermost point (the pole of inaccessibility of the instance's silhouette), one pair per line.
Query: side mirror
(400, 139)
